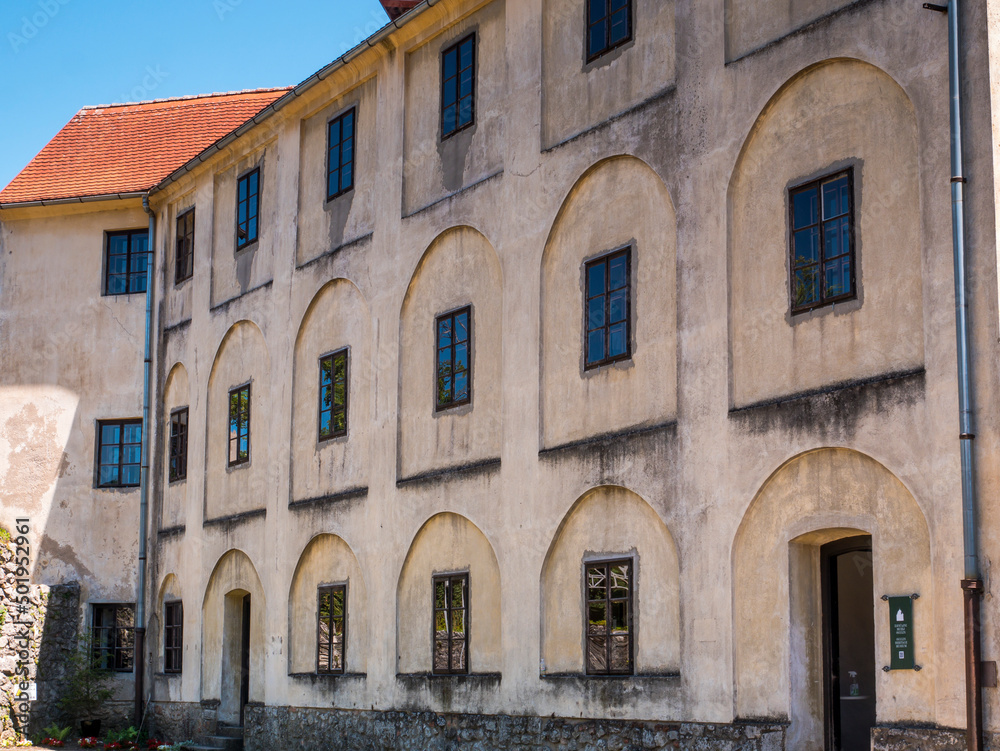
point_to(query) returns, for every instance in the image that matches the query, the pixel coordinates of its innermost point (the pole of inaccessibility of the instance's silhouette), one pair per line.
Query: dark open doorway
(849, 643)
(245, 658)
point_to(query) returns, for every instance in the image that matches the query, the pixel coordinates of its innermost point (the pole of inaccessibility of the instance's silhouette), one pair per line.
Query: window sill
(415, 680)
(327, 677)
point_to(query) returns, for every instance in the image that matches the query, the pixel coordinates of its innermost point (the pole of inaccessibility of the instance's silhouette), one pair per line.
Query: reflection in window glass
(454, 339)
(333, 395)
(458, 80)
(239, 425)
(609, 25)
(608, 307)
(822, 263)
(451, 624)
(119, 453)
(113, 632)
(609, 618)
(127, 256)
(340, 157)
(247, 208)
(331, 638)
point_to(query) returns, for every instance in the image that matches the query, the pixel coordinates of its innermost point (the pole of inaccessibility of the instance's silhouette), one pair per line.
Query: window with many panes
(451, 624)
(247, 208)
(125, 264)
(340, 155)
(184, 253)
(822, 242)
(239, 425)
(331, 633)
(173, 636)
(609, 25)
(608, 626)
(333, 374)
(178, 444)
(119, 453)
(458, 86)
(113, 633)
(454, 371)
(608, 308)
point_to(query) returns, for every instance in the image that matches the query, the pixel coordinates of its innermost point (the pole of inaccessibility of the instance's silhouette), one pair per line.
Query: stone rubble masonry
(268, 728)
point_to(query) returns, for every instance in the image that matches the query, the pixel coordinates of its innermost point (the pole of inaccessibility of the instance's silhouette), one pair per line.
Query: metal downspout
(140, 601)
(972, 583)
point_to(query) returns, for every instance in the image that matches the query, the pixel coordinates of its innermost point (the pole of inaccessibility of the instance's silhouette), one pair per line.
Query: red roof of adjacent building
(396, 8)
(129, 148)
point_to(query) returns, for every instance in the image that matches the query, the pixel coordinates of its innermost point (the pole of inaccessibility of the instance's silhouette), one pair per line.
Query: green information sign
(901, 633)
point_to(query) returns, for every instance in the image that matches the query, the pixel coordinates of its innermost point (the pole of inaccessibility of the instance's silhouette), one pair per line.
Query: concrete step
(230, 731)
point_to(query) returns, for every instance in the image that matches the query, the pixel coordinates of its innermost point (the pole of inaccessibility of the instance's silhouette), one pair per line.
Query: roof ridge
(187, 97)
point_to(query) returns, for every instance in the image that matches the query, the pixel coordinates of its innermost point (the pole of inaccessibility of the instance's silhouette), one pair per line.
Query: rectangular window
(458, 86)
(609, 618)
(178, 444)
(331, 635)
(333, 395)
(127, 256)
(451, 624)
(247, 208)
(173, 636)
(114, 637)
(822, 242)
(239, 425)
(184, 256)
(340, 157)
(609, 25)
(608, 313)
(454, 337)
(119, 453)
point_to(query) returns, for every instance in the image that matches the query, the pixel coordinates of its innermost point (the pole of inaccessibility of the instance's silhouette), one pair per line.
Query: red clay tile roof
(396, 8)
(129, 148)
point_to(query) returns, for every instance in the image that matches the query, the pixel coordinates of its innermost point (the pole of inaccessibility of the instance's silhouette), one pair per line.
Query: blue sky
(57, 56)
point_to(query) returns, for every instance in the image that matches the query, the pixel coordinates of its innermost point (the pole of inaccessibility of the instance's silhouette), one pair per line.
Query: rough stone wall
(37, 639)
(926, 739)
(270, 727)
(181, 721)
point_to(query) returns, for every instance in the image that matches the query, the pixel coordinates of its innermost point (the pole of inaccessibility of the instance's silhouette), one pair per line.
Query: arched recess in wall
(169, 591)
(242, 359)
(815, 498)
(327, 560)
(841, 116)
(459, 269)
(618, 203)
(336, 324)
(233, 578)
(611, 523)
(448, 543)
(176, 395)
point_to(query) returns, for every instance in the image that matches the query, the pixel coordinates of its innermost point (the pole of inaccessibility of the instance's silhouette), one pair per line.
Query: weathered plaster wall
(432, 167)
(337, 318)
(577, 95)
(324, 226)
(176, 394)
(751, 24)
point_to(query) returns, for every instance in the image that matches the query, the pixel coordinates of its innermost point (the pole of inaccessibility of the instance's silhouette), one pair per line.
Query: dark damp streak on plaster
(446, 690)
(855, 7)
(444, 475)
(614, 691)
(333, 499)
(609, 456)
(331, 687)
(176, 328)
(668, 93)
(338, 250)
(168, 532)
(450, 196)
(235, 520)
(224, 305)
(835, 409)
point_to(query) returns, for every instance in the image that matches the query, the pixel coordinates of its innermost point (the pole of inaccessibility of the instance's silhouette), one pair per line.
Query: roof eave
(74, 199)
(292, 95)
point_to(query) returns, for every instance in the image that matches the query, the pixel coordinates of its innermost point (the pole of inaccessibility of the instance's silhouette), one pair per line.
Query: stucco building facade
(537, 386)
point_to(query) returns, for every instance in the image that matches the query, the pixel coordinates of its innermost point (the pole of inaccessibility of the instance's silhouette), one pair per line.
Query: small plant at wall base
(86, 686)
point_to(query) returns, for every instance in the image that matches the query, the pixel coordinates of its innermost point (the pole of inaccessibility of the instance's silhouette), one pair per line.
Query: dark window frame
(334, 408)
(240, 432)
(452, 402)
(456, 48)
(329, 669)
(352, 113)
(449, 581)
(113, 655)
(608, 564)
(138, 276)
(817, 184)
(173, 636)
(608, 45)
(605, 259)
(120, 464)
(178, 458)
(246, 241)
(184, 246)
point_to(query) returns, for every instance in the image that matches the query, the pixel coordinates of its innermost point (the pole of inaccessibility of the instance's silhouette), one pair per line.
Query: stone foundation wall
(177, 721)
(926, 739)
(268, 728)
(38, 627)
